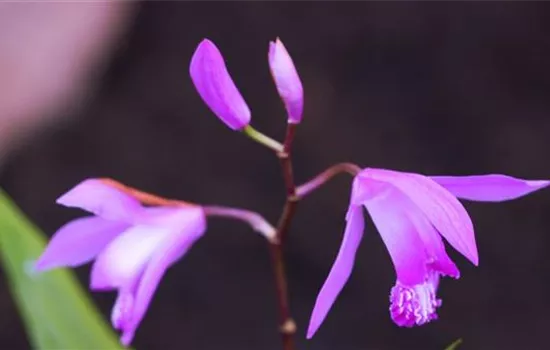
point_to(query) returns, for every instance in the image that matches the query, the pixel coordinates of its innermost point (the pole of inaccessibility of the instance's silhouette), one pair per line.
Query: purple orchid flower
(215, 86)
(412, 212)
(287, 80)
(132, 246)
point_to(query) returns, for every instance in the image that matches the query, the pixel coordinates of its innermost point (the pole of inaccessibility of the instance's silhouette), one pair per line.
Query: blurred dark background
(435, 88)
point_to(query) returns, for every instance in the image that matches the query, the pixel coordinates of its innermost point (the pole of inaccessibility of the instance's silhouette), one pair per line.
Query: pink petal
(489, 188)
(105, 201)
(341, 269)
(124, 259)
(401, 238)
(441, 208)
(192, 227)
(435, 248)
(215, 86)
(287, 80)
(78, 242)
(122, 309)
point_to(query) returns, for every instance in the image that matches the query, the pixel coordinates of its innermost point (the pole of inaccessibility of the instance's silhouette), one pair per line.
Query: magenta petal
(489, 188)
(215, 86)
(171, 250)
(340, 271)
(105, 201)
(435, 248)
(401, 238)
(439, 206)
(78, 242)
(287, 80)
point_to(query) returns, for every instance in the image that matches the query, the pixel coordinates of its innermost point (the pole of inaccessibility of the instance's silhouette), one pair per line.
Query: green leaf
(454, 345)
(57, 312)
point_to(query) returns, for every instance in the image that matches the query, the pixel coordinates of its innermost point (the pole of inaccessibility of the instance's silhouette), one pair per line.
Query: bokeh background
(435, 88)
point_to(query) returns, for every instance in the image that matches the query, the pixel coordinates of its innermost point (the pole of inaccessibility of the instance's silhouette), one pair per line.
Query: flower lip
(416, 305)
(216, 87)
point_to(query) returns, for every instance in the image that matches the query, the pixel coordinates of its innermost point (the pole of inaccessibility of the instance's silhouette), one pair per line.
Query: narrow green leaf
(57, 312)
(454, 345)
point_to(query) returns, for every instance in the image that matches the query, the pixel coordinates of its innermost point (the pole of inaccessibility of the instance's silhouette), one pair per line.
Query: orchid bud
(287, 81)
(217, 89)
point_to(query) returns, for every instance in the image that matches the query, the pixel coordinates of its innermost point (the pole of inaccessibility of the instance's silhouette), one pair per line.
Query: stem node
(289, 327)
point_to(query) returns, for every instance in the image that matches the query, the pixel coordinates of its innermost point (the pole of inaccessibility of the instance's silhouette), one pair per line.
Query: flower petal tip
(312, 329)
(122, 310)
(44, 263)
(206, 42)
(472, 255)
(39, 266)
(126, 338)
(31, 269)
(538, 184)
(73, 197)
(206, 47)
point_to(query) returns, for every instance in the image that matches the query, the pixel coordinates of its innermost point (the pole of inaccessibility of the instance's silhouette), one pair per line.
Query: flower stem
(255, 220)
(287, 326)
(263, 139)
(325, 176)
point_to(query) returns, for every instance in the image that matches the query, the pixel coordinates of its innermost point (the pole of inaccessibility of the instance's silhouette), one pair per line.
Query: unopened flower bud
(217, 89)
(287, 81)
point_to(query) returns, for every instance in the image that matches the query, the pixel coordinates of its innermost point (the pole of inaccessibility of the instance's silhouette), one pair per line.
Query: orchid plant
(133, 237)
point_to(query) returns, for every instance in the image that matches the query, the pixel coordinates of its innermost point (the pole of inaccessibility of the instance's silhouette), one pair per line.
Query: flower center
(414, 305)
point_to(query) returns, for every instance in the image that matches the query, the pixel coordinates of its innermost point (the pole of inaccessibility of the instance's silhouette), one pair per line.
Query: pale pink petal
(124, 259)
(192, 225)
(96, 197)
(340, 271)
(78, 242)
(287, 80)
(401, 238)
(440, 207)
(489, 188)
(215, 86)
